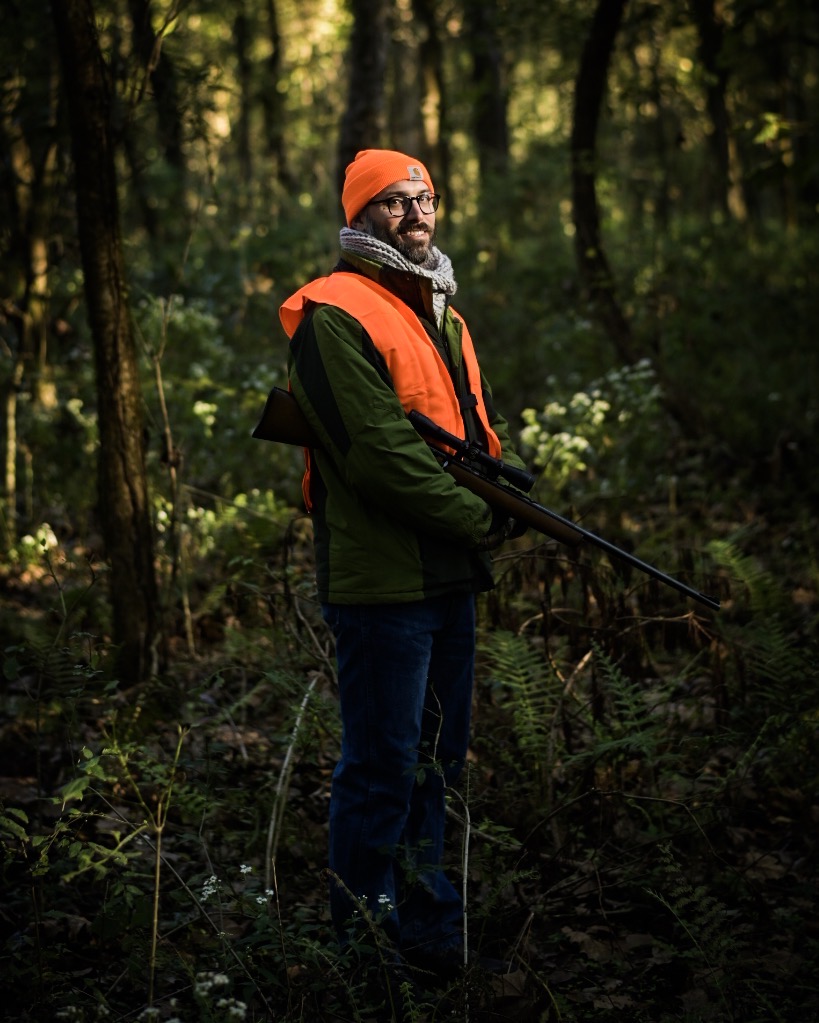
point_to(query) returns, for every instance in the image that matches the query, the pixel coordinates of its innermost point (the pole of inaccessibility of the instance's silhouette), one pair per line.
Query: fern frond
(523, 684)
(768, 643)
(765, 595)
(629, 728)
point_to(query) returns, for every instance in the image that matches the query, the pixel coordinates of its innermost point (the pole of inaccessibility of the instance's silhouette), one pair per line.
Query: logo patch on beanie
(414, 172)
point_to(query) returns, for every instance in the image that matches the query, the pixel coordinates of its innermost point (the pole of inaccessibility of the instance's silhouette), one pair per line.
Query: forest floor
(636, 832)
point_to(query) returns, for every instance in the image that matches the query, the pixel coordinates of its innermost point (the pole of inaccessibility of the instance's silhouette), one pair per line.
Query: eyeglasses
(400, 205)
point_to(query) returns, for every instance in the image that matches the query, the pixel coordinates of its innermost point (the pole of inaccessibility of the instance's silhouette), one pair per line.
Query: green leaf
(75, 789)
(11, 827)
(15, 811)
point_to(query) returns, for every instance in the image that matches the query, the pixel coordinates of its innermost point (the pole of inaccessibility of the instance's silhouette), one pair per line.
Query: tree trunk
(124, 498)
(490, 123)
(590, 89)
(272, 101)
(406, 82)
(161, 73)
(594, 268)
(159, 78)
(31, 151)
(12, 386)
(242, 33)
(32, 160)
(362, 126)
(729, 191)
(435, 100)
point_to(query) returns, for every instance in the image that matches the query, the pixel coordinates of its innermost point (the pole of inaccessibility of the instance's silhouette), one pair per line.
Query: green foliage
(131, 816)
(758, 588)
(195, 849)
(765, 637)
(513, 280)
(526, 689)
(207, 403)
(598, 434)
(744, 365)
(717, 947)
(626, 732)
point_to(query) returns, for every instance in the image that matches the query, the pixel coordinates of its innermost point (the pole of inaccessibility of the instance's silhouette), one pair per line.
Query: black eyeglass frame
(406, 203)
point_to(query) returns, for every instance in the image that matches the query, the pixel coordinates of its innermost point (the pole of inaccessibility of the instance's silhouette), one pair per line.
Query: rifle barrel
(544, 520)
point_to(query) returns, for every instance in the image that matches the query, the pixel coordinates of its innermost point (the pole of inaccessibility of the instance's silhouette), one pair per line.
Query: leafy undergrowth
(636, 825)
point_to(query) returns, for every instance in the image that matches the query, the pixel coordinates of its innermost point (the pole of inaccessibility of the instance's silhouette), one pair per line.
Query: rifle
(283, 421)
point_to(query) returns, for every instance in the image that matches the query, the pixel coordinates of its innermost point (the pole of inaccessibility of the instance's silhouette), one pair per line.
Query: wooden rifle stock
(283, 421)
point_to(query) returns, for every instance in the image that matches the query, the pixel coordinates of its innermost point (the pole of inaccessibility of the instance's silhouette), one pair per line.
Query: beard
(415, 250)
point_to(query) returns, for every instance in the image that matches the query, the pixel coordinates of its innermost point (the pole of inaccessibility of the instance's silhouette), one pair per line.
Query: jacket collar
(414, 290)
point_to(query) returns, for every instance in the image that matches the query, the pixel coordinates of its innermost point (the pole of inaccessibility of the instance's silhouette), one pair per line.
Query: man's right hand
(500, 529)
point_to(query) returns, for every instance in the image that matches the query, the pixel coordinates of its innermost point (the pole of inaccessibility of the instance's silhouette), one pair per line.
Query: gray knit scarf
(437, 266)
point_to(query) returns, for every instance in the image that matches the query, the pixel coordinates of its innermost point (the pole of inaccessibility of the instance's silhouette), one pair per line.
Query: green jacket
(389, 524)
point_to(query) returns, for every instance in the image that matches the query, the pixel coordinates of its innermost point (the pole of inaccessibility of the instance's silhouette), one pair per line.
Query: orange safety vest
(421, 380)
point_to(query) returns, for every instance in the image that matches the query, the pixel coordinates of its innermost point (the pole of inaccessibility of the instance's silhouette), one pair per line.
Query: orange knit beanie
(371, 171)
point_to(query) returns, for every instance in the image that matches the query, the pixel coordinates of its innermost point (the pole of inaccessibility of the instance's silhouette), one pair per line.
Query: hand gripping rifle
(476, 470)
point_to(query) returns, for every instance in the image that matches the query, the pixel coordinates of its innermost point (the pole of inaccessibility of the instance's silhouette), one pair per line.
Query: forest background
(630, 195)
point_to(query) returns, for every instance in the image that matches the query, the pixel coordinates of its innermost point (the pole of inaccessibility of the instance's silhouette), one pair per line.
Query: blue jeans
(405, 676)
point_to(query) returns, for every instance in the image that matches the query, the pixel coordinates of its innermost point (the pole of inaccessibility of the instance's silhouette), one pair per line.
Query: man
(400, 548)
